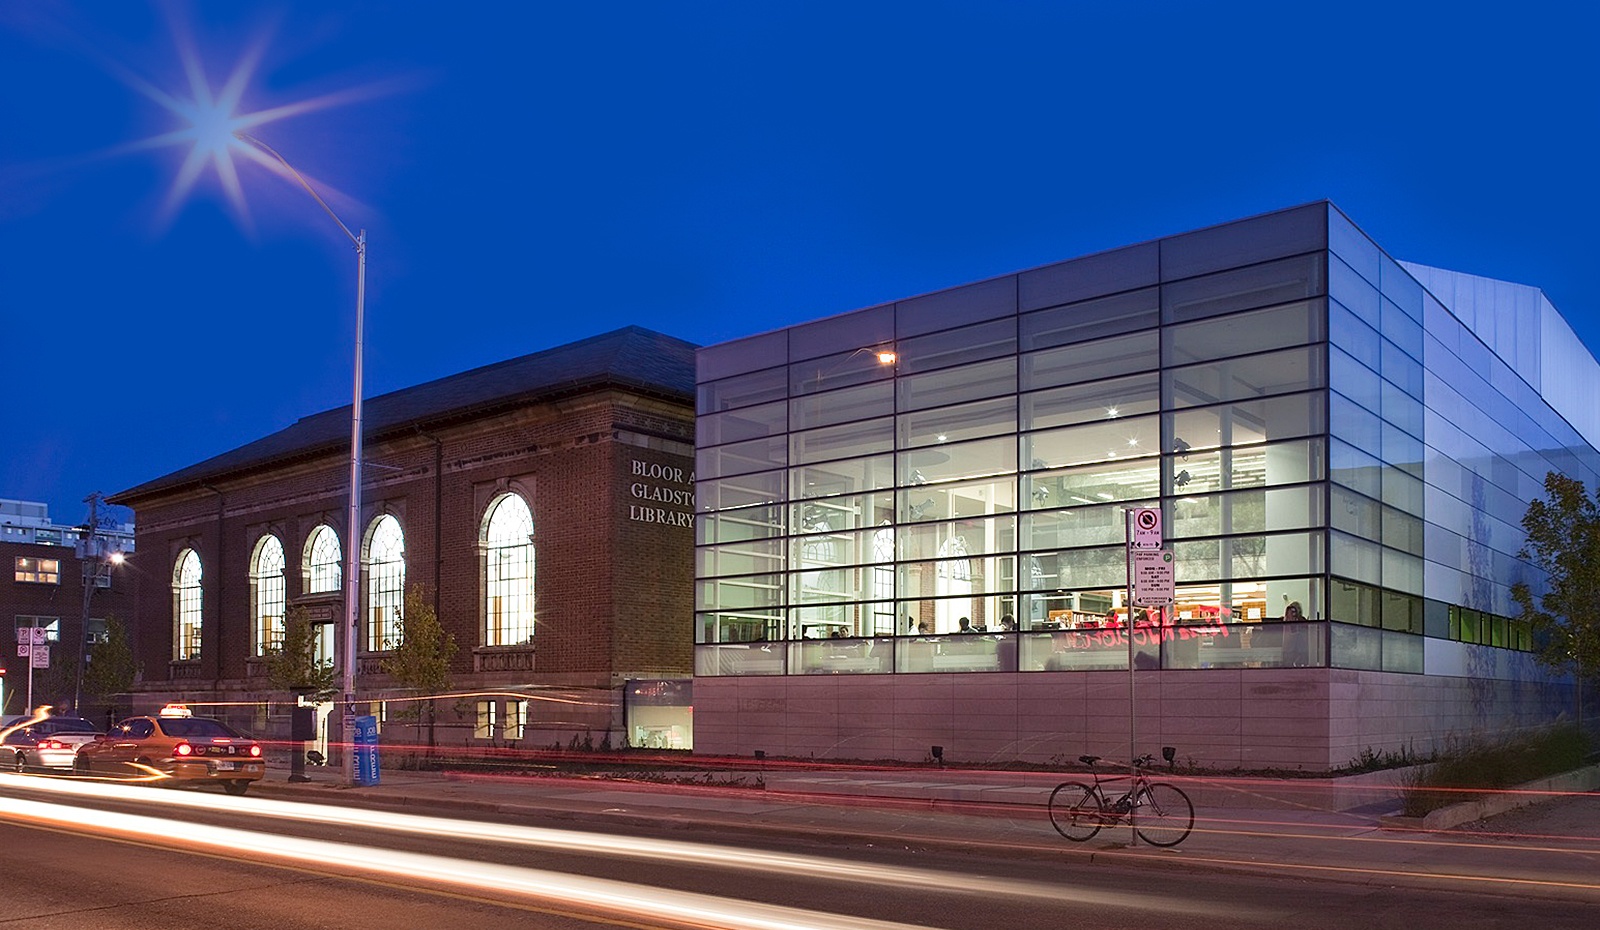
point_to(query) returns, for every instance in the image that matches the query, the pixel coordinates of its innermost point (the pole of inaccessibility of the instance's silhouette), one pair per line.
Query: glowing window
(38, 571)
(386, 583)
(266, 595)
(485, 728)
(508, 572)
(321, 565)
(187, 621)
(516, 724)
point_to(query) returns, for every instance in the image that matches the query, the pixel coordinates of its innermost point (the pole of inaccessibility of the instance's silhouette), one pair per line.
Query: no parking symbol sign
(1146, 528)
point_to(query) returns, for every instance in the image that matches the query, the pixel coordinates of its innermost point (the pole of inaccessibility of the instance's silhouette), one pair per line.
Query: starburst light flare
(211, 122)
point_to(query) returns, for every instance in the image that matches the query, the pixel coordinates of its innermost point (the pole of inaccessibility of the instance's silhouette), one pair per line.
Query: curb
(1501, 801)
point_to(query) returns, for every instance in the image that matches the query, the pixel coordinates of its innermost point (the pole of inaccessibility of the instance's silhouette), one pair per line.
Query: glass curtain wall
(945, 492)
(1376, 426)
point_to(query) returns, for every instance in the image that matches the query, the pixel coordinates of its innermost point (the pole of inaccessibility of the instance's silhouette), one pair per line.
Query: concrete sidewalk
(1315, 828)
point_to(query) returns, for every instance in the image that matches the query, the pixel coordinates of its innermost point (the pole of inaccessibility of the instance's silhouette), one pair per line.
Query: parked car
(51, 743)
(175, 748)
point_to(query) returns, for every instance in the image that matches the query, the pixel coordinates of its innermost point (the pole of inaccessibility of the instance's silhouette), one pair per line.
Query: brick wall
(62, 599)
(614, 586)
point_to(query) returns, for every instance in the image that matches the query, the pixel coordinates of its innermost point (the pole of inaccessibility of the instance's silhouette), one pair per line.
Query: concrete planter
(1445, 818)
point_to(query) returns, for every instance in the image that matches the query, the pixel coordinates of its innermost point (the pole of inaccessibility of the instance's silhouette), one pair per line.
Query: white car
(51, 743)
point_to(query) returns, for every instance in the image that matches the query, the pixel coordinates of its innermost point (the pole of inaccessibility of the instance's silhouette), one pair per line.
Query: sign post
(1142, 530)
(37, 651)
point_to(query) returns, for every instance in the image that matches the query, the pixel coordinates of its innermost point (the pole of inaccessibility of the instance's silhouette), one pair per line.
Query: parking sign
(1146, 528)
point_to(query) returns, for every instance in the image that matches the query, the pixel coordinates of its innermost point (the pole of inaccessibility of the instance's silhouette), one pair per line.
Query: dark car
(50, 743)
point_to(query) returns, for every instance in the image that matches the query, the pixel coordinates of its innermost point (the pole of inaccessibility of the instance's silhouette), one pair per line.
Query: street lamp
(352, 575)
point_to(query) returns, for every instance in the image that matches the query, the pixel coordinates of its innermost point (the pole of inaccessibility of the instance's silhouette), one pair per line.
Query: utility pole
(91, 564)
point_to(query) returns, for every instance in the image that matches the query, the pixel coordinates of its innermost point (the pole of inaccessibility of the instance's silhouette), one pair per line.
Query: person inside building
(964, 625)
(1294, 638)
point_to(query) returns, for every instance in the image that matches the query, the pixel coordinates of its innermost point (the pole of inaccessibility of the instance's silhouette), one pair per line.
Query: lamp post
(352, 575)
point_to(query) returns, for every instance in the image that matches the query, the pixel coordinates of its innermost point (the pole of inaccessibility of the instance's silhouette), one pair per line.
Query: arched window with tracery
(883, 582)
(187, 620)
(508, 553)
(321, 565)
(266, 595)
(953, 582)
(386, 583)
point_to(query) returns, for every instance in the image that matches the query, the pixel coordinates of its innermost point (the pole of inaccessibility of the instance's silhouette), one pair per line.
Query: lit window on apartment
(38, 571)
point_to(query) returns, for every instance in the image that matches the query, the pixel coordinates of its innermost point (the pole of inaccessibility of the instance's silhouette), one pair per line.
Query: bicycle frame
(1114, 812)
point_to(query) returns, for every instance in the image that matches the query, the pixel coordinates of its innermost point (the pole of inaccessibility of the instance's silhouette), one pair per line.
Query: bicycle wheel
(1162, 814)
(1075, 811)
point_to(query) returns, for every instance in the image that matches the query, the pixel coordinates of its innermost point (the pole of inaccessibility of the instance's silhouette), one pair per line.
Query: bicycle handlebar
(1148, 760)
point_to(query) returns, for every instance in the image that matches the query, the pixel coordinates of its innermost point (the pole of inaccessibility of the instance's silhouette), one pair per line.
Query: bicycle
(1160, 813)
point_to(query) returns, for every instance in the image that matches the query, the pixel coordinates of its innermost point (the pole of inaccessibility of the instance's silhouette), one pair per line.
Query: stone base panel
(1314, 720)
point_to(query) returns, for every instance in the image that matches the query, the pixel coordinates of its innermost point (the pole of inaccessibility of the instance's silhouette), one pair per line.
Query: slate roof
(632, 358)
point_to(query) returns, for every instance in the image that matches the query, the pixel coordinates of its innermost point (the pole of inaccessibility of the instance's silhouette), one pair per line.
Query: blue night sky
(531, 174)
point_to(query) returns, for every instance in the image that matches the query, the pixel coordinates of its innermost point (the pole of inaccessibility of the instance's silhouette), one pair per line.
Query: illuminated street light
(352, 575)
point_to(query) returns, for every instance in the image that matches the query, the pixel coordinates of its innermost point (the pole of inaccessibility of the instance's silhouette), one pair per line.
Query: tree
(112, 667)
(292, 665)
(422, 659)
(1564, 542)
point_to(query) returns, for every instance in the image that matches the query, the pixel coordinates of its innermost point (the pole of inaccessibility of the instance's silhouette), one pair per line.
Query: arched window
(953, 582)
(508, 572)
(386, 583)
(883, 583)
(320, 565)
(266, 595)
(186, 618)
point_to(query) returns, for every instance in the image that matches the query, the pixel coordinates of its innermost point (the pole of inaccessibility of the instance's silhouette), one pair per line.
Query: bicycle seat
(1088, 760)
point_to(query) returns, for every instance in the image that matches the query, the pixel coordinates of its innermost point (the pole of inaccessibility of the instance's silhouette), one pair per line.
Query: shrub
(1466, 770)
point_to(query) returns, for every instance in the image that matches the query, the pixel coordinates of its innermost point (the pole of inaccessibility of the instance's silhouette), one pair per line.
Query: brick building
(542, 505)
(55, 576)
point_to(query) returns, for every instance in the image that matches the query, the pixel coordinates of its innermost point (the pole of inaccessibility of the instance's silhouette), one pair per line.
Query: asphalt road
(133, 859)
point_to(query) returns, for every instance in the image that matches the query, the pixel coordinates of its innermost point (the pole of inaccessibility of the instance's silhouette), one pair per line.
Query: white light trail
(790, 865)
(596, 894)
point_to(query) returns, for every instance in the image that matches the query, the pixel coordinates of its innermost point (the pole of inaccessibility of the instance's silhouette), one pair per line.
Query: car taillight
(182, 749)
(255, 750)
(52, 744)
